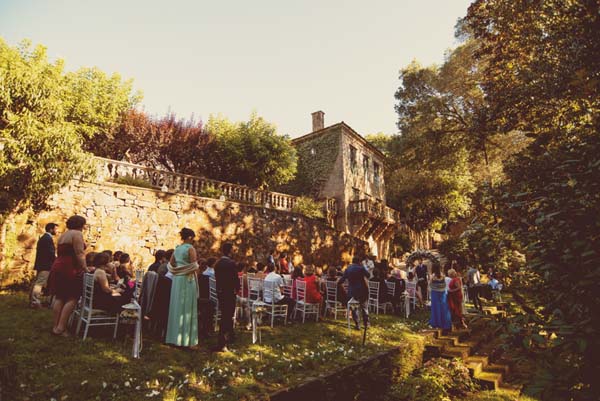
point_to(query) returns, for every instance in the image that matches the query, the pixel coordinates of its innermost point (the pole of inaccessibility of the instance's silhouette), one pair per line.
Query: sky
(283, 59)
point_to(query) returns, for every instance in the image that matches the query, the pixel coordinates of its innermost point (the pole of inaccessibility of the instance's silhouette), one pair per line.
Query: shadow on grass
(35, 365)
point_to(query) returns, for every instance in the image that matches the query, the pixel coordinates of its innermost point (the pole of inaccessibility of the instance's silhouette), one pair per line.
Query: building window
(376, 174)
(352, 158)
(355, 194)
(366, 166)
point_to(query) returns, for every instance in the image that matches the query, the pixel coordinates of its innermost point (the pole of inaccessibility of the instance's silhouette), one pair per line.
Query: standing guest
(275, 295)
(45, 254)
(455, 299)
(228, 285)
(160, 257)
(313, 296)
(163, 268)
(106, 298)
(411, 278)
(283, 264)
(182, 327)
(210, 267)
(159, 311)
(65, 276)
(358, 289)
(422, 278)
(473, 287)
(271, 257)
(440, 314)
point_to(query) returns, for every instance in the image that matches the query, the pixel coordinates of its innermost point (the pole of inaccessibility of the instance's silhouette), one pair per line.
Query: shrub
(133, 181)
(211, 192)
(309, 208)
(438, 380)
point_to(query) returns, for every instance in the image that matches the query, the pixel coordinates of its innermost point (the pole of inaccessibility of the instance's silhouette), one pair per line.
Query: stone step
(457, 351)
(489, 380)
(474, 368)
(498, 368)
(450, 340)
(484, 360)
(513, 389)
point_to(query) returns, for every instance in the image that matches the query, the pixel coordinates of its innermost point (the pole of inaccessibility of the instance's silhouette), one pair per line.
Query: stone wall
(139, 221)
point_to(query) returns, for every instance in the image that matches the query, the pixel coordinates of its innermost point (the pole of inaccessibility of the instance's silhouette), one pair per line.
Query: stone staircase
(466, 344)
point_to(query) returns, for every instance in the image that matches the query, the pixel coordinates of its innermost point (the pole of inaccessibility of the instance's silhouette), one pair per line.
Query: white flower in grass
(104, 384)
(138, 387)
(127, 384)
(219, 395)
(83, 383)
(259, 374)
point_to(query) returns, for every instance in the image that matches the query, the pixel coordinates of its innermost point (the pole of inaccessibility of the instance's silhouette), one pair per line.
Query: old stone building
(337, 162)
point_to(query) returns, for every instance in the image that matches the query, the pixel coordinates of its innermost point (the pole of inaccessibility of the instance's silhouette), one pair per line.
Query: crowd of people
(175, 292)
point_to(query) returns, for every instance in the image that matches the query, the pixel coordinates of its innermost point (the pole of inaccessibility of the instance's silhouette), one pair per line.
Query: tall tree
(542, 77)
(250, 153)
(43, 124)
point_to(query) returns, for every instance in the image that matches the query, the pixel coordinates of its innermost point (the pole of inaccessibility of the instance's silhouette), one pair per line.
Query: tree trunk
(5, 222)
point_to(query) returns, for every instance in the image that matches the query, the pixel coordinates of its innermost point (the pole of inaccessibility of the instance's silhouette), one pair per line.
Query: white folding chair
(331, 299)
(301, 305)
(272, 308)
(288, 286)
(411, 295)
(91, 316)
(374, 297)
(139, 279)
(212, 297)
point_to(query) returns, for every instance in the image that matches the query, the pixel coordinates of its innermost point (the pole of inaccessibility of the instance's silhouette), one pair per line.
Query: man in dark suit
(228, 285)
(44, 257)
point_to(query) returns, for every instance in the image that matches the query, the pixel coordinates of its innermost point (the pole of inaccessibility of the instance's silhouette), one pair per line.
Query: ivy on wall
(316, 159)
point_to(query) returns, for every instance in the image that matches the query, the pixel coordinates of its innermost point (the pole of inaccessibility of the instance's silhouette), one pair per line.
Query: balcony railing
(376, 210)
(111, 170)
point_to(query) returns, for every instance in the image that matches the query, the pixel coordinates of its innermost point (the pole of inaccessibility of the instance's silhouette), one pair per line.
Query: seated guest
(114, 265)
(106, 298)
(379, 277)
(275, 295)
(159, 259)
(399, 289)
(253, 267)
(210, 267)
(332, 275)
(262, 271)
(124, 271)
(109, 269)
(89, 261)
(296, 274)
(313, 296)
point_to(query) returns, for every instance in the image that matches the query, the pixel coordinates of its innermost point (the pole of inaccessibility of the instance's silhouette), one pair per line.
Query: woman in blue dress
(182, 327)
(440, 313)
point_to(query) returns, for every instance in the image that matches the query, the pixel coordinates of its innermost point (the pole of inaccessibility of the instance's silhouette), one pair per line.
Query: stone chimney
(318, 120)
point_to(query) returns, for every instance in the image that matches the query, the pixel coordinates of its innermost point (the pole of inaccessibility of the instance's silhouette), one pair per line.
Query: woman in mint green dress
(182, 327)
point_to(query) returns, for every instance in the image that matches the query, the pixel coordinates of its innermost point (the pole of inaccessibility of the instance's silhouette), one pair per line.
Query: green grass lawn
(34, 365)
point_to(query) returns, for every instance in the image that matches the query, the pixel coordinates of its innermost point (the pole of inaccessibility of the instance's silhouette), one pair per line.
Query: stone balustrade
(374, 209)
(111, 170)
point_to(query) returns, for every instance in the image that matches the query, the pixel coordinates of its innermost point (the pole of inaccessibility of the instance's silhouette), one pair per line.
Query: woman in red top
(283, 264)
(313, 296)
(67, 270)
(455, 298)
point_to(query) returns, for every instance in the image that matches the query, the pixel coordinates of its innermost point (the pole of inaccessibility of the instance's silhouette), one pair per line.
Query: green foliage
(542, 78)
(309, 207)
(211, 192)
(133, 181)
(249, 153)
(438, 380)
(316, 160)
(496, 395)
(43, 123)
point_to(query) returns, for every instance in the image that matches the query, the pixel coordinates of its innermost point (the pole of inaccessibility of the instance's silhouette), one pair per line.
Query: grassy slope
(34, 365)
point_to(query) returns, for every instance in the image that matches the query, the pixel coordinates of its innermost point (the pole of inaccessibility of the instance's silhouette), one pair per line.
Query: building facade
(337, 162)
